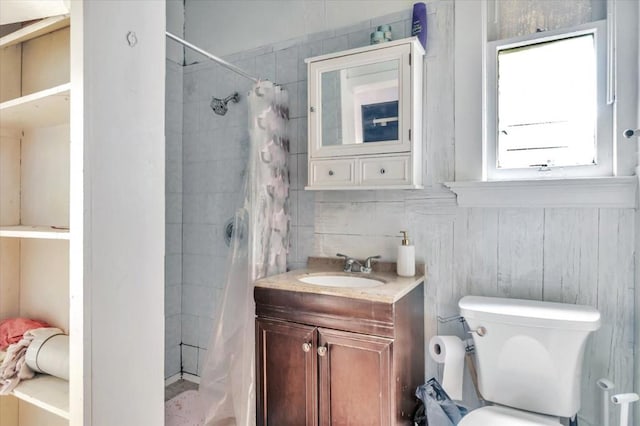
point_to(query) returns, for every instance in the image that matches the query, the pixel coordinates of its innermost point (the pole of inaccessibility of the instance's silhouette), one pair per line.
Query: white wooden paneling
(10, 58)
(571, 276)
(45, 176)
(571, 256)
(627, 82)
(30, 415)
(49, 52)
(433, 233)
(613, 344)
(476, 254)
(357, 246)
(382, 218)
(515, 18)
(9, 277)
(438, 122)
(9, 177)
(9, 410)
(44, 281)
(468, 90)
(520, 238)
(117, 229)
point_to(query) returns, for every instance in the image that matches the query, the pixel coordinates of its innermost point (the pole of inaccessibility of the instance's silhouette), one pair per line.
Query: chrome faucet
(352, 265)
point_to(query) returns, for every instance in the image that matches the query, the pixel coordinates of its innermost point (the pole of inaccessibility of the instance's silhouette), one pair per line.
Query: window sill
(613, 192)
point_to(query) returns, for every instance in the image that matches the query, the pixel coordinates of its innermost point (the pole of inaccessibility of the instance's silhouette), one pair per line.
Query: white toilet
(529, 359)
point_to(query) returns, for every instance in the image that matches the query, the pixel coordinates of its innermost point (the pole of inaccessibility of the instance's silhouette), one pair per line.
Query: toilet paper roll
(49, 353)
(449, 350)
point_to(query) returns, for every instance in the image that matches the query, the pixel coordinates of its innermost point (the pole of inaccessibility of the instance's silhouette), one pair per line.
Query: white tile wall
(215, 153)
(173, 231)
(189, 359)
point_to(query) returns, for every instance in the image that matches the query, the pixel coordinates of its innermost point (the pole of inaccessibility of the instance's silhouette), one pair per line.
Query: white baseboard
(191, 378)
(170, 380)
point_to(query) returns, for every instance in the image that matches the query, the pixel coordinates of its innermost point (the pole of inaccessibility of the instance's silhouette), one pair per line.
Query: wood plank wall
(577, 255)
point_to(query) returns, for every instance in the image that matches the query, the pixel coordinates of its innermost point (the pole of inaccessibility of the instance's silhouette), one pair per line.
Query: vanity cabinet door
(355, 378)
(286, 370)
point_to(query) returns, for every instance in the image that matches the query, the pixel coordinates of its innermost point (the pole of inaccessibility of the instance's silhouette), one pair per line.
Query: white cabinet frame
(409, 55)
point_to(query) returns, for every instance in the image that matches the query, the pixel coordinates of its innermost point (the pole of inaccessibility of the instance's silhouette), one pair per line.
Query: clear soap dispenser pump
(406, 266)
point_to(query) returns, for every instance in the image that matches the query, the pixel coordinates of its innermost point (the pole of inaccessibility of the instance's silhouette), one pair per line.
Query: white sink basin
(341, 281)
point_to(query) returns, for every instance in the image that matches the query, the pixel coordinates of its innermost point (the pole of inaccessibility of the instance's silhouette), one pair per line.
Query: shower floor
(176, 388)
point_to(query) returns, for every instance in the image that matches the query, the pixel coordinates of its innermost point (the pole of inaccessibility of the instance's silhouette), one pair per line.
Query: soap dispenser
(406, 266)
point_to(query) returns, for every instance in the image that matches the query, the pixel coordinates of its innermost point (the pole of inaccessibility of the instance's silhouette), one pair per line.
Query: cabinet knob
(306, 347)
(322, 350)
(382, 171)
(330, 172)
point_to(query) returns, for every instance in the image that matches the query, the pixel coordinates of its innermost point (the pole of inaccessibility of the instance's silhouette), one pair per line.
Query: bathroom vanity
(338, 355)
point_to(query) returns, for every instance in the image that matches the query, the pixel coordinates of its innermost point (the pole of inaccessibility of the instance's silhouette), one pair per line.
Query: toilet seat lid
(504, 416)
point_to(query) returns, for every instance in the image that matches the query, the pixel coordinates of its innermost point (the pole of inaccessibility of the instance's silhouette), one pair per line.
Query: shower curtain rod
(212, 57)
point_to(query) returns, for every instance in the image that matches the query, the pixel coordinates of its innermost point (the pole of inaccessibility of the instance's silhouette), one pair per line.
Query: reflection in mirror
(360, 104)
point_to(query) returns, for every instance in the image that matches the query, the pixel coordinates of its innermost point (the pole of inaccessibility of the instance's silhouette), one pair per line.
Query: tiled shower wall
(173, 231)
(215, 153)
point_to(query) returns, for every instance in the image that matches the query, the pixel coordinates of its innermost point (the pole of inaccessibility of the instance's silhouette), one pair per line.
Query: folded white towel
(14, 367)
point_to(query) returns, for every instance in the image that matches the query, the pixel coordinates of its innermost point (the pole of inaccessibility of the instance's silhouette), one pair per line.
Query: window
(546, 112)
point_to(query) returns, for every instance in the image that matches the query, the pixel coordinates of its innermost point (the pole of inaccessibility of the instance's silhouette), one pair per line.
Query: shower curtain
(259, 248)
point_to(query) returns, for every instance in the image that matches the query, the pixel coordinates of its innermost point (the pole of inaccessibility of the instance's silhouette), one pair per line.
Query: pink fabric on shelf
(12, 330)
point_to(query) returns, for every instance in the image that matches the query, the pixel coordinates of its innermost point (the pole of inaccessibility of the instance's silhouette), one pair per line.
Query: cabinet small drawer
(332, 172)
(386, 170)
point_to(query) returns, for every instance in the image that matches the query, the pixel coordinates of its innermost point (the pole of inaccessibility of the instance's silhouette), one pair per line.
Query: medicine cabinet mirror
(365, 117)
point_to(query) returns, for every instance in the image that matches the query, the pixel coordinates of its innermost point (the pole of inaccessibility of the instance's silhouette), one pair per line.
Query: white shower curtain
(258, 248)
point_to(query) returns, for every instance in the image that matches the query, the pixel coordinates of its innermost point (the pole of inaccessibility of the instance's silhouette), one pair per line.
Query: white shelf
(42, 27)
(41, 109)
(47, 392)
(28, 231)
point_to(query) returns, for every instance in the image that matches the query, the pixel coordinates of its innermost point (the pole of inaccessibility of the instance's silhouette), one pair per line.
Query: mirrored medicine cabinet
(365, 117)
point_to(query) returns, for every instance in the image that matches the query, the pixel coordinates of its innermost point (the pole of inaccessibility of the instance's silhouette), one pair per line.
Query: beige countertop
(392, 290)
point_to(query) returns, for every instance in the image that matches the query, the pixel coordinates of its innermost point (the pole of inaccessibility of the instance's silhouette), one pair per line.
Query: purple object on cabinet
(419, 23)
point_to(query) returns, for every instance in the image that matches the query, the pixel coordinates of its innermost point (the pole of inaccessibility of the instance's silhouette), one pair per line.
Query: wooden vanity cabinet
(330, 360)
(286, 373)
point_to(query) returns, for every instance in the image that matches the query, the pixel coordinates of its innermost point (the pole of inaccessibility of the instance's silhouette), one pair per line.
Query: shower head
(219, 106)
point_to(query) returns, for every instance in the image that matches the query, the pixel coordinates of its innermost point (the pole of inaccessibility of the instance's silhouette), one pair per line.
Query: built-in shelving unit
(34, 201)
(28, 231)
(47, 392)
(45, 108)
(42, 27)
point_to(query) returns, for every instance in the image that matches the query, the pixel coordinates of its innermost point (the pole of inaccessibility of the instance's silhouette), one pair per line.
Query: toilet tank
(530, 356)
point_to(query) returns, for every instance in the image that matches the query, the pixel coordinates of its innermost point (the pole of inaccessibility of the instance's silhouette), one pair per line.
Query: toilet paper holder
(468, 343)
(480, 331)
(443, 320)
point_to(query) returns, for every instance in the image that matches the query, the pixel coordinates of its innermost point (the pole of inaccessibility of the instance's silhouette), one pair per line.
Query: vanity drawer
(332, 172)
(394, 170)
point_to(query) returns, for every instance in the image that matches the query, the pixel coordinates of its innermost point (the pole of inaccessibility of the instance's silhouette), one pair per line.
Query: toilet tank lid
(530, 312)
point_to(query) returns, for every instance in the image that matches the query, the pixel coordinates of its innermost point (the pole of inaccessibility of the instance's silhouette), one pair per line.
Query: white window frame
(471, 185)
(604, 135)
